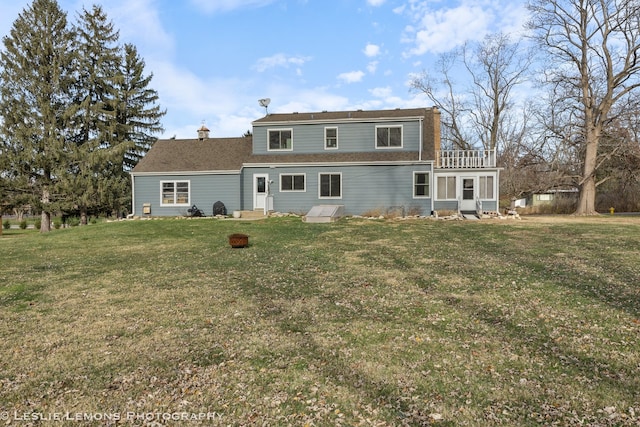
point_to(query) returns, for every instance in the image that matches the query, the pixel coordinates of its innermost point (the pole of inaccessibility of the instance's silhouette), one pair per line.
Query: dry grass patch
(350, 323)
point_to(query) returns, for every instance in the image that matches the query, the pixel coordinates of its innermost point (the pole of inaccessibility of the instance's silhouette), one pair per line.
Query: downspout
(133, 198)
(421, 147)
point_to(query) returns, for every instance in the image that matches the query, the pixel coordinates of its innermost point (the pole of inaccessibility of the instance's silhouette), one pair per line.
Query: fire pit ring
(238, 240)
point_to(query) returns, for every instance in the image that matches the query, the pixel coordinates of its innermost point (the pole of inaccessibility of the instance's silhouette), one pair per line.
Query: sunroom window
(486, 187)
(446, 187)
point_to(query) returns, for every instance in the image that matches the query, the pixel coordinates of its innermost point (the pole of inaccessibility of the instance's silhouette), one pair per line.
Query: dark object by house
(239, 240)
(219, 208)
(194, 211)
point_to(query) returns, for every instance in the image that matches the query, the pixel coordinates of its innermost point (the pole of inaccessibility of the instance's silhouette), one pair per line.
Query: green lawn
(359, 322)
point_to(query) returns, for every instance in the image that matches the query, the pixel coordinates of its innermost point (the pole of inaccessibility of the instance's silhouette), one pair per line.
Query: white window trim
(388, 127)
(320, 185)
(435, 184)
(493, 190)
(279, 130)
(325, 138)
(293, 174)
(175, 187)
(413, 183)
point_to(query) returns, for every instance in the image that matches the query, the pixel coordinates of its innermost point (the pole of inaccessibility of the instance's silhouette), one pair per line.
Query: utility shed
(325, 213)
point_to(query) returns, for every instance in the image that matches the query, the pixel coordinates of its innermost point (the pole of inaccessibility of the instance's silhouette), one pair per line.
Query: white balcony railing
(466, 159)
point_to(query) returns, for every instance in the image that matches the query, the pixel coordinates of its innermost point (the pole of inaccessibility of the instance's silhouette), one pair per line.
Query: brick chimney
(431, 133)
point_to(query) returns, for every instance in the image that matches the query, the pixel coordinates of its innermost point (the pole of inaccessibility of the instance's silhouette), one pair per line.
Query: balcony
(465, 159)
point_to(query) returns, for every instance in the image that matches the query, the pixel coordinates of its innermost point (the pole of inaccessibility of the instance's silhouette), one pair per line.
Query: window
(281, 139)
(388, 136)
(468, 192)
(486, 187)
(421, 184)
(446, 187)
(330, 138)
(175, 193)
(293, 182)
(331, 185)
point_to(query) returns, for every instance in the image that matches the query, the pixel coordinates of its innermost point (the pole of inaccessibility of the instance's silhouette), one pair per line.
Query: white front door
(468, 192)
(259, 190)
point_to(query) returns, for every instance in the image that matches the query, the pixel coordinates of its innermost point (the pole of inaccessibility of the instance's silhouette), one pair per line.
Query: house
(361, 160)
(553, 195)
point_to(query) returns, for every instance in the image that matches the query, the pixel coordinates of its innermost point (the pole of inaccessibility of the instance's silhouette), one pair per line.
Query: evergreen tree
(96, 150)
(138, 115)
(35, 79)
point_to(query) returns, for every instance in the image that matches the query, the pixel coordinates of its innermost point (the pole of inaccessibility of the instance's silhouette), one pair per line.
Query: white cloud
(280, 60)
(286, 99)
(375, 3)
(213, 6)
(191, 99)
(381, 92)
(351, 77)
(372, 67)
(139, 21)
(440, 30)
(372, 50)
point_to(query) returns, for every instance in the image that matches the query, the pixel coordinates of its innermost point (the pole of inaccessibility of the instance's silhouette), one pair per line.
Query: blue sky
(213, 59)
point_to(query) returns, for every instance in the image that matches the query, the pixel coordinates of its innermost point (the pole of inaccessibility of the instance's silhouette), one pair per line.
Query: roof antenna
(265, 103)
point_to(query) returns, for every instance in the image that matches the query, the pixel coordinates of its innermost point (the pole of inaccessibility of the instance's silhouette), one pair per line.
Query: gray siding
(445, 205)
(490, 205)
(364, 188)
(352, 137)
(205, 190)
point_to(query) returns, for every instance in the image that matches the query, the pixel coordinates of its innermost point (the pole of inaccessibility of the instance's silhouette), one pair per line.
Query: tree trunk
(45, 222)
(83, 216)
(587, 202)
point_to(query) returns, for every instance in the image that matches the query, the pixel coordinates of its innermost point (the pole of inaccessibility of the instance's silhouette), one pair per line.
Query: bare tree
(440, 88)
(619, 174)
(483, 114)
(497, 67)
(592, 50)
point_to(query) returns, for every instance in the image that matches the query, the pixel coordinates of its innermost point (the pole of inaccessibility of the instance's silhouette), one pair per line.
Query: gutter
(133, 197)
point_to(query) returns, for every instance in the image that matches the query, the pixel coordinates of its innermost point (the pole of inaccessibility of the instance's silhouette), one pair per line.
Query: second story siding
(351, 137)
(344, 132)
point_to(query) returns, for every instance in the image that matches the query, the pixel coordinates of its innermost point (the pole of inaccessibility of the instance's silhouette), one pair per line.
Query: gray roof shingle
(343, 115)
(229, 154)
(193, 155)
